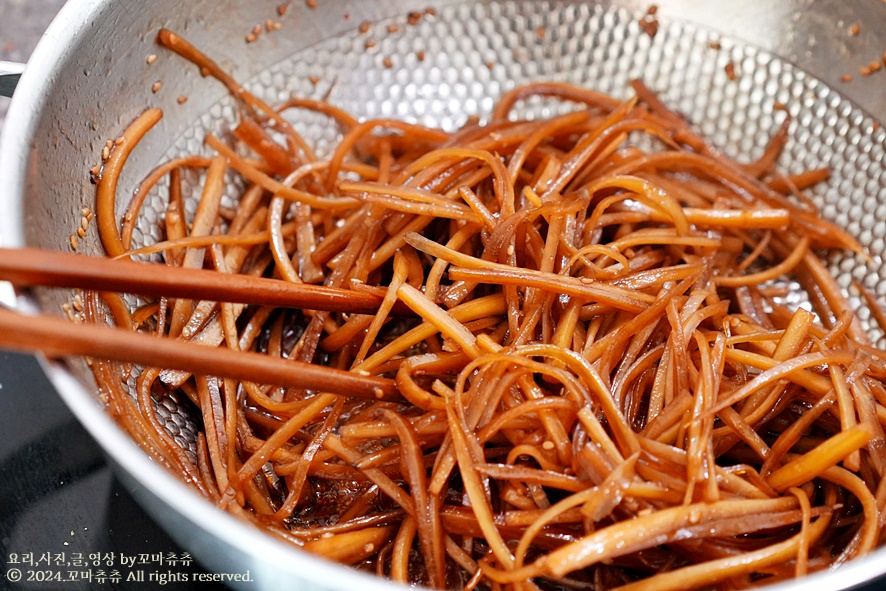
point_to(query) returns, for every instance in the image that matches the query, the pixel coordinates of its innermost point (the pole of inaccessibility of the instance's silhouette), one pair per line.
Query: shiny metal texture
(734, 69)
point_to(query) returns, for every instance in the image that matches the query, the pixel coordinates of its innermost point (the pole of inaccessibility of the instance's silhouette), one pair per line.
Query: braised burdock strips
(602, 385)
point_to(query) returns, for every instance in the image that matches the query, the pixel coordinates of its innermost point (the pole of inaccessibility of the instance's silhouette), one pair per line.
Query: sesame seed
(314, 80)
(81, 233)
(74, 242)
(312, 4)
(388, 63)
(649, 25)
(283, 9)
(155, 88)
(370, 43)
(393, 28)
(364, 27)
(730, 71)
(854, 29)
(182, 99)
(846, 78)
(151, 58)
(421, 56)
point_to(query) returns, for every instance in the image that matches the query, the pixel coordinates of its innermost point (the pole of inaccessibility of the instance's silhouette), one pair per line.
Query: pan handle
(10, 72)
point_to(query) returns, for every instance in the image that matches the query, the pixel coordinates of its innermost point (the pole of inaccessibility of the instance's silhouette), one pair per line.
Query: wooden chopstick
(57, 337)
(28, 267)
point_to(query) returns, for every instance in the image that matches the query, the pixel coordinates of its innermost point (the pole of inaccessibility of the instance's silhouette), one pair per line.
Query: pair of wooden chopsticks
(56, 337)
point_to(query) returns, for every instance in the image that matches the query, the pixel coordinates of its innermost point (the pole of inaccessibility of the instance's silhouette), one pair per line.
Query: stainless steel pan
(90, 76)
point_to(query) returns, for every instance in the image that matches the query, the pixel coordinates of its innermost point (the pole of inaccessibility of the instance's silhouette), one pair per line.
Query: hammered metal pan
(731, 68)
